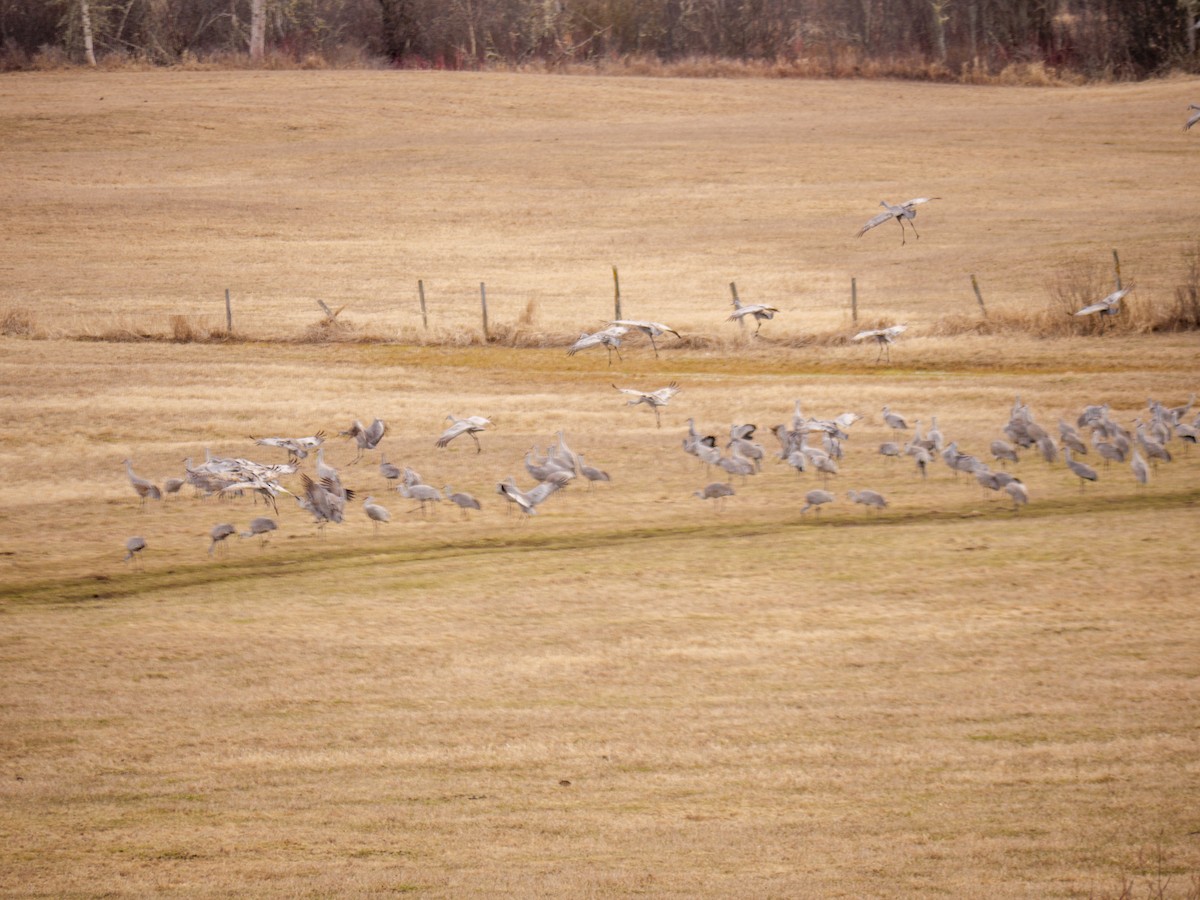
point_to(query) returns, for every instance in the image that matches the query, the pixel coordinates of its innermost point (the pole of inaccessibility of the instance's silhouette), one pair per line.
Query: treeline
(949, 39)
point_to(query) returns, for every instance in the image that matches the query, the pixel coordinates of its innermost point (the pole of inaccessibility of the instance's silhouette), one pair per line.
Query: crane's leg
(654, 345)
(879, 355)
(478, 446)
(900, 221)
(657, 417)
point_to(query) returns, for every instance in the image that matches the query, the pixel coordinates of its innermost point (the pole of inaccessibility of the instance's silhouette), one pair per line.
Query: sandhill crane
(562, 454)
(388, 470)
(906, 211)
(469, 426)
(649, 329)
(1194, 108)
(885, 337)
(890, 448)
(609, 339)
(717, 491)
(297, 448)
(218, 534)
(528, 501)
(265, 487)
(654, 399)
(591, 473)
(1154, 450)
(934, 437)
(324, 470)
(814, 499)
(376, 513)
(133, 547)
(1109, 306)
(462, 500)
(422, 493)
(545, 469)
(894, 421)
(146, 490)
(869, 499)
(923, 458)
(326, 500)
(365, 437)
(1082, 470)
(260, 526)
(1109, 452)
(1140, 470)
(736, 464)
(1003, 452)
(1016, 490)
(760, 311)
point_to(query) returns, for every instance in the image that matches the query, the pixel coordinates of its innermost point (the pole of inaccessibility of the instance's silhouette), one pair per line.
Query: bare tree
(258, 29)
(85, 20)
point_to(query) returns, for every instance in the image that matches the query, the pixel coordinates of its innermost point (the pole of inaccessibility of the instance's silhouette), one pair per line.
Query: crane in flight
(609, 339)
(760, 311)
(1194, 109)
(903, 212)
(649, 329)
(1109, 306)
(471, 426)
(653, 399)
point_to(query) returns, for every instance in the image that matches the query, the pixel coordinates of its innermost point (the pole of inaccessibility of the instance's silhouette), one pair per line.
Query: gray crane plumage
(133, 547)
(218, 534)
(901, 213)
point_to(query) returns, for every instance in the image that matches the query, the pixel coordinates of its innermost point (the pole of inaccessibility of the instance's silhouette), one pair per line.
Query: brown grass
(632, 692)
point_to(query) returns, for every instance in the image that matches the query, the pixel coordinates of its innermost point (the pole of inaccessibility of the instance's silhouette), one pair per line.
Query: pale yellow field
(131, 197)
(631, 692)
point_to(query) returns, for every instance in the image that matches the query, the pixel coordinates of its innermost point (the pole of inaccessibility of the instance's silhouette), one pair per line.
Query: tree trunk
(258, 29)
(938, 8)
(89, 47)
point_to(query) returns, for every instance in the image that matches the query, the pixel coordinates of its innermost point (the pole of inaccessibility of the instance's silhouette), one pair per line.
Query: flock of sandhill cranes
(1143, 448)
(323, 495)
(807, 444)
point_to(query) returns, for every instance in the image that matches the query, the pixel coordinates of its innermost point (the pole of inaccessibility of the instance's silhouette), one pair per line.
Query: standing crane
(885, 337)
(146, 490)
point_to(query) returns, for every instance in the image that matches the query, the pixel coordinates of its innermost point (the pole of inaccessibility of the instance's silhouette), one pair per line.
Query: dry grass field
(632, 692)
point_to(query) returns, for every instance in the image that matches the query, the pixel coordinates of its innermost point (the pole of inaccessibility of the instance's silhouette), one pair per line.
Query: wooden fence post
(228, 315)
(616, 293)
(854, 300)
(421, 294)
(978, 296)
(483, 304)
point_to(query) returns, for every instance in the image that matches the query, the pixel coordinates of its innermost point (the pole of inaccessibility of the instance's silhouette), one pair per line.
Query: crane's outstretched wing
(877, 220)
(1194, 117)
